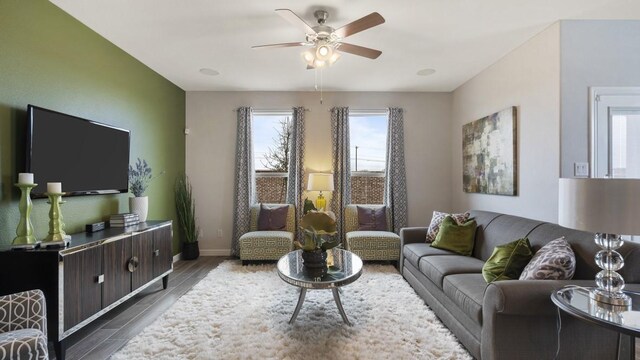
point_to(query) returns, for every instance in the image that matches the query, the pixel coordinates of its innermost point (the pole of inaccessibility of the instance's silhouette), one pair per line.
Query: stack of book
(123, 220)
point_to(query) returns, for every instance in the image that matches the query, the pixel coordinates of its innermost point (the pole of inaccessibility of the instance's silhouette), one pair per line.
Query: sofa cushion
(437, 267)
(413, 252)
(456, 238)
(436, 221)
(507, 261)
(466, 291)
(554, 261)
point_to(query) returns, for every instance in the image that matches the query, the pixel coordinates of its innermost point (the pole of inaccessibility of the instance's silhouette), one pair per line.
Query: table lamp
(609, 208)
(320, 182)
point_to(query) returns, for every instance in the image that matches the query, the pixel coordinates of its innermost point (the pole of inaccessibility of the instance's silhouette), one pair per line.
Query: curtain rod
(369, 110)
(271, 110)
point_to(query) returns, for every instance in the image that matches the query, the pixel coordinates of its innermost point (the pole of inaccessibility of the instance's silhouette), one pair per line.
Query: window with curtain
(271, 133)
(367, 140)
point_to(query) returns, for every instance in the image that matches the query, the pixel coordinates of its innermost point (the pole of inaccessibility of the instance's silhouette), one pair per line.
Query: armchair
(23, 326)
(267, 245)
(370, 244)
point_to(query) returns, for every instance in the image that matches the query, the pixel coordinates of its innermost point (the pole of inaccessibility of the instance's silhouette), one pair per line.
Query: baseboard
(177, 257)
(215, 252)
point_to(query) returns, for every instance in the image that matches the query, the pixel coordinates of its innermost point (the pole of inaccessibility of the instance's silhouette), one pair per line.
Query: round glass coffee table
(344, 267)
(576, 302)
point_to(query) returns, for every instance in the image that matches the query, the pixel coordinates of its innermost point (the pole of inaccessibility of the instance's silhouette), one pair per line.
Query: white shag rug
(242, 312)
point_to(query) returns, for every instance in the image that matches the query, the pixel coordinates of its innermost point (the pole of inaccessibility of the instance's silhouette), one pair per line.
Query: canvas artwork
(489, 154)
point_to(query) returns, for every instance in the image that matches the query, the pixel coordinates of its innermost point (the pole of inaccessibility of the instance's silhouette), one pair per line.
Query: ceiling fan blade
(364, 23)
(291, 44)
(359, 50)
(295, 20)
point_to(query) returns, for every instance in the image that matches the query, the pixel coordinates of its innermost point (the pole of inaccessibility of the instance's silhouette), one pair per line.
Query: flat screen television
(86, 156)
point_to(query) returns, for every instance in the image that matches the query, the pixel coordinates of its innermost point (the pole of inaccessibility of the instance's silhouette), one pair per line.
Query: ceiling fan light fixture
(308, 57)
(336, 55)
(319, 63)
(324, 52)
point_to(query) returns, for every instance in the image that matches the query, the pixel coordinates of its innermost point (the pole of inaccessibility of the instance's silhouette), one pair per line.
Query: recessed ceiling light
(426, 72)
(209, 72)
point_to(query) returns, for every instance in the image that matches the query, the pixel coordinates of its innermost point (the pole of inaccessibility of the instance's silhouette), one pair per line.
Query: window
(271, 131)
(368, 142)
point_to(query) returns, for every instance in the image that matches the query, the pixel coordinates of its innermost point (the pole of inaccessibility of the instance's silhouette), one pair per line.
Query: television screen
(87, 157)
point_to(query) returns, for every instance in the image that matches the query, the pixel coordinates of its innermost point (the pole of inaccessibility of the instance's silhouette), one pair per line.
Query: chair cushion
(370, 218)
(466, 291)
(456, 238)
(24, 344)
(272, 218)
(265, 245)
(413, 252)
(374, 245)
(507, 261)
(437, 267)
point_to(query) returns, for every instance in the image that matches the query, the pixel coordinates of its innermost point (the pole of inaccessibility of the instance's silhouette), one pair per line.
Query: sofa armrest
(411, 235)
(24, 310)
(524, 297)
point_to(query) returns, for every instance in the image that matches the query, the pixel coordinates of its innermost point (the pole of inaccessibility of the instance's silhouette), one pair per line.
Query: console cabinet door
(142, 245)
(82, 290)
(117, 278)
(163, 251)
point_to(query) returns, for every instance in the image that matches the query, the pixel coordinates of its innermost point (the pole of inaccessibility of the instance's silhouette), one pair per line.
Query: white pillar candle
(25, 178)
(54, 187)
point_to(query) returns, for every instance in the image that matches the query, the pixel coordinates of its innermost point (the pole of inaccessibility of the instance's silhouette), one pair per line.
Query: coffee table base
(336, 298)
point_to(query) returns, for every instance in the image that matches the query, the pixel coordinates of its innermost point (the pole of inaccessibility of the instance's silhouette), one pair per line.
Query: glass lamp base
(610, 298)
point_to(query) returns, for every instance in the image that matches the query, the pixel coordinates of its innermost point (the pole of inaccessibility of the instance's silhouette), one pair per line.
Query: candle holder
(57, 237)
(25, 238)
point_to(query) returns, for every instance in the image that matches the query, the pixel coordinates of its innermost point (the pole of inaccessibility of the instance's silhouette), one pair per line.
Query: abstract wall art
(489, 154)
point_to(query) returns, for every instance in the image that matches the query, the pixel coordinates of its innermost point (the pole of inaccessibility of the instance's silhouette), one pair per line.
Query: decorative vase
(190, 251)
(140, 206)
(316, 259)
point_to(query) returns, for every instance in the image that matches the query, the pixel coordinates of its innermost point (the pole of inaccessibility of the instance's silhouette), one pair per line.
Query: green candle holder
(25, 238)
(57, 236)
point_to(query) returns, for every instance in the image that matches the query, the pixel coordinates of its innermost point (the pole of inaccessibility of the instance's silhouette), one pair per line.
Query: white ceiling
(458, 38)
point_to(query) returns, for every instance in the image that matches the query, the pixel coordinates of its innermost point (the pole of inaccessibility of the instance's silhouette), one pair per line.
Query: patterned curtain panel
(341, 164)
(395, 177)
(296, 163)
(245, 184)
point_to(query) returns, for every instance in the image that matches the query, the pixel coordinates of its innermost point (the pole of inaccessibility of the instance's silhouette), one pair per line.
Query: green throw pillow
(456, 238)
(507, 261)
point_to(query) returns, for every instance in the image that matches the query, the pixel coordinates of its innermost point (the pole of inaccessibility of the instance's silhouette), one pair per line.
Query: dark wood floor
(110, 332)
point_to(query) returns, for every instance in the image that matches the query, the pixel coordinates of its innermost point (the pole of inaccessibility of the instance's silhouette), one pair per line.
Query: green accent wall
(49, 59)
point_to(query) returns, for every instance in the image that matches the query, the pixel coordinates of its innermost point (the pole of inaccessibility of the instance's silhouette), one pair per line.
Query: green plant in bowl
(319, 229)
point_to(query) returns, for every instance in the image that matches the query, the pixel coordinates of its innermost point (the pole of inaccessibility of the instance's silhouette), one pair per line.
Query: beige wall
(528, 78)
(210, 148)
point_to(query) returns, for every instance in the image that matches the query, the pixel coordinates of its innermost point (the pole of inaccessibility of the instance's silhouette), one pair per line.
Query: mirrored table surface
(344, 267)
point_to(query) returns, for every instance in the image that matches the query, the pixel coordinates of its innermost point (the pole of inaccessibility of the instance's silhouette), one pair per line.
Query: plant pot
(316, 259)
(190, 251)
(140, 206)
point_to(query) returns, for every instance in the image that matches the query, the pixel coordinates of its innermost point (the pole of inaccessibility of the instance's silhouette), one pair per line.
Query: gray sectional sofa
(513, 319)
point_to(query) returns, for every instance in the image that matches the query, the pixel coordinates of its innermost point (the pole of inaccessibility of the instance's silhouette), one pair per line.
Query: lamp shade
(320, 182)
(610, 206)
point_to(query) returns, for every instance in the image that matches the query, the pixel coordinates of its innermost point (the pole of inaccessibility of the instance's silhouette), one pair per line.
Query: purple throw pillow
(372, 218)
(272, 218)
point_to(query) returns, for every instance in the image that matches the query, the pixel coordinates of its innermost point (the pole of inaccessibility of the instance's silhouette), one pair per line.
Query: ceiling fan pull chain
(320, 86)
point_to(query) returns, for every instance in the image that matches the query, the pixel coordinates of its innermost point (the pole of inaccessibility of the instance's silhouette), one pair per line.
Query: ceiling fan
(325, 40)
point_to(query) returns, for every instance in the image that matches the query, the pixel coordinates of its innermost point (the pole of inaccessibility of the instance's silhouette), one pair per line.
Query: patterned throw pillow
(554, 261)
(436, 220)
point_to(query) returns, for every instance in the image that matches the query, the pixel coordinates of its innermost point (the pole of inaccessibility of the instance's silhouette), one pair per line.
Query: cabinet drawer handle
(156, 252)
(133, 264)
(100, 279)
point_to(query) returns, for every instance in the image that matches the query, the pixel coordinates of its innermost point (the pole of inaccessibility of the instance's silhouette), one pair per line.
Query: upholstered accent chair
(370, 244)
(23, 326)
(267, 245)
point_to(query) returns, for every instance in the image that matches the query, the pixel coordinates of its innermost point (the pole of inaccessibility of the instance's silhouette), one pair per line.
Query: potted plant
(319, 229)
(186, 210)
(139, 180)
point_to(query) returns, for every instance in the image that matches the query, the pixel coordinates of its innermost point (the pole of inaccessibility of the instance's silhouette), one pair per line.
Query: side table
(576, 302)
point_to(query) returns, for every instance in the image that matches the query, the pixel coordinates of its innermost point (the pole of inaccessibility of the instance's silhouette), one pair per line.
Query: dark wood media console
(93, 275)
